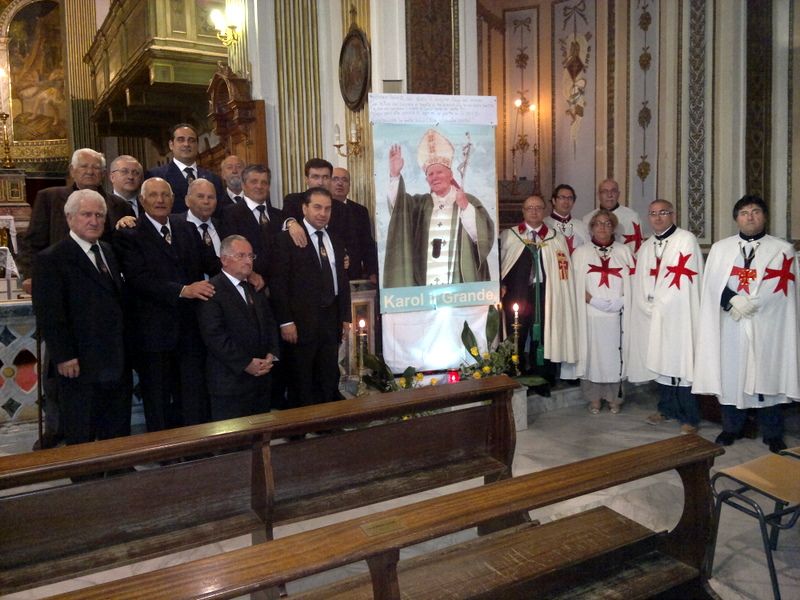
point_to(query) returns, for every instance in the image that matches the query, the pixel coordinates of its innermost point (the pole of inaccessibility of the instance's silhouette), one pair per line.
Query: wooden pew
(255, 482)
(582, 556)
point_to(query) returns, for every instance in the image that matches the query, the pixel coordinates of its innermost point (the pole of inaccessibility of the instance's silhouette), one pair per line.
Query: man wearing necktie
(182, 168)
(241, 336)
(230, 169)
(311, 299)
(164, 261)
(78, 297)
(202, 202)
(126, 179)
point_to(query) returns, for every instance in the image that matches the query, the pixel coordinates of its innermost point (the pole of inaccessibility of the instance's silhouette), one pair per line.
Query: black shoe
(775, 444)
(541, 390)
(49, 440)
(726, 438)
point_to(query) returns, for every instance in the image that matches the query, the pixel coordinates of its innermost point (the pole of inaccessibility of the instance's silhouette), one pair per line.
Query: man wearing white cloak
(629, 230)
(748, 354)
(523, 280)
(665, 315)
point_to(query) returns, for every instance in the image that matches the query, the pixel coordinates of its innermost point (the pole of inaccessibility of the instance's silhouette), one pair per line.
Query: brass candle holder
(7, 162)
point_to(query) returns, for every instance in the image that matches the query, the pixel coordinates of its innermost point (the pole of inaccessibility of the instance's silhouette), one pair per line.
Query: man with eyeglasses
(748, 354)
(665, 317)
(575, 231)
(182, 168)
(241, 336)
(536, 275)
(126, 179)
(629, 230)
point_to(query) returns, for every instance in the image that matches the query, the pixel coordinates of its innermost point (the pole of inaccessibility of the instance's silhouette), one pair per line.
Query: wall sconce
(227, 24)
(352, 145)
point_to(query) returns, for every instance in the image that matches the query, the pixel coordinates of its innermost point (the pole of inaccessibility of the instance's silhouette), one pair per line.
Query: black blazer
(238, 219)
(48, 223)
(296, 286)
(214, 221)
(155, 273)
(79, 310)
(234, 334)
(177, 181)
(359, 243)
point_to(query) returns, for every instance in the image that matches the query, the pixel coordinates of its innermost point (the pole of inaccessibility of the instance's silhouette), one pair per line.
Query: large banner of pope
(436, 222)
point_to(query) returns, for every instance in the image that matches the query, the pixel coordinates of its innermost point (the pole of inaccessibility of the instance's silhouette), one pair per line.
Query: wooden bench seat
(595, 548)
(256, 482)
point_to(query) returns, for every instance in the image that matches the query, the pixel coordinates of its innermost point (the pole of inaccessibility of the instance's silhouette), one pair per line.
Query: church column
(79, 26)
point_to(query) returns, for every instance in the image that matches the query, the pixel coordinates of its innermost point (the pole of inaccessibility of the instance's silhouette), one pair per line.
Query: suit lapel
(86, 264)
(156, 239)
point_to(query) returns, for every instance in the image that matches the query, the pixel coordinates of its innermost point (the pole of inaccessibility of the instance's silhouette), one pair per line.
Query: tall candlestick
(516, 328)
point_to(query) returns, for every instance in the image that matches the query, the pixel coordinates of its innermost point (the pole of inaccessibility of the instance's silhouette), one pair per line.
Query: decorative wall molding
(432, 46)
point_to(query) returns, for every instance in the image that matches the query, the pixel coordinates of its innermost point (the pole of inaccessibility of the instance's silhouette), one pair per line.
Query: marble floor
(555, 437)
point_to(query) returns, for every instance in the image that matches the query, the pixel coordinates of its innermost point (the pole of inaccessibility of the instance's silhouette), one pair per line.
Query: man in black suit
(230, 169)
(202, 203)
(241, 336)
(48, 226)
(182, 168)
(126, 179)
(318, 173)
(254, 218)
(164, 261)
(77, 296)
(356, 230)
(311, 298)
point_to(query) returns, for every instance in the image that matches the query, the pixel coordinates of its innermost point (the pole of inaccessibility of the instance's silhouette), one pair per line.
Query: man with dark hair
(240, 334)
(575, 231)
(182, 168)
(318, 172)
(748, 354)
(78, 298)
(254, 218)
(311, 298)
(164, 261)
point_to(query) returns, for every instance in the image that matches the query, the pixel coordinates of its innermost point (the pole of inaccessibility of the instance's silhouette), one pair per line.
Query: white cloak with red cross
(665, 309)
(559, 331)
(739, 360)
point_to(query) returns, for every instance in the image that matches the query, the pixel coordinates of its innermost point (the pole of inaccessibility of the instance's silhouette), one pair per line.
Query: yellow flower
(434, 381)
(419, 376)
(487, 369)
(401, 382)
(474, 351)
(486, 356)
(476, 375)
(515, 359)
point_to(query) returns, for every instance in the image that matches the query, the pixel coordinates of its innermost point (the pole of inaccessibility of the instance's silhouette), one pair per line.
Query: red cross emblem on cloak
(635, 237)
(563, 266)
(605, 272)
(784, 276)
(632, 268)
(654, 270)
(745, 277)
(681, 269)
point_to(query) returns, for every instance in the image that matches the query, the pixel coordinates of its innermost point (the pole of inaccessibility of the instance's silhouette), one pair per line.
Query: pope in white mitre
(438, 238)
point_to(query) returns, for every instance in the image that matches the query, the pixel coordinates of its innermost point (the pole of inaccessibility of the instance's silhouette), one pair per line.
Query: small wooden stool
(775, 476)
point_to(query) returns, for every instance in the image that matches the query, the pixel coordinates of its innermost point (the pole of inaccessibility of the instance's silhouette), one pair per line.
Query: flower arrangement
(502, 360)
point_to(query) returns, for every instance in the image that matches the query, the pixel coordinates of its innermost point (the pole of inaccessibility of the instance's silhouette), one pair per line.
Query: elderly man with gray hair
(78, 296)
(48, 226)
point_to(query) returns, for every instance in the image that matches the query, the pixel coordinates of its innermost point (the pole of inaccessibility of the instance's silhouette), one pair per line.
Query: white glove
(735, 314)
(647, 307)
(615, 305)
(600, 303)
(746, 307)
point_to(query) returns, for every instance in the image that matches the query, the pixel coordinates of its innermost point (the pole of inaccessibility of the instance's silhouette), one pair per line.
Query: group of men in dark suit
(186, 292)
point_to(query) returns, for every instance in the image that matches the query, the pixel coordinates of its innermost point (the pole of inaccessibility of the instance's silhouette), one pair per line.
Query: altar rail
(597, 553)
(252, 483)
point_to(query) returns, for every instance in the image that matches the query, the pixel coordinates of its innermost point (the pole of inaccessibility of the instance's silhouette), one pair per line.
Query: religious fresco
(38, 104)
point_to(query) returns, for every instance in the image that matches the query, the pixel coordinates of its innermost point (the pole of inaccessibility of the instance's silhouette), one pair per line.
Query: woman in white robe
(602, 285)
